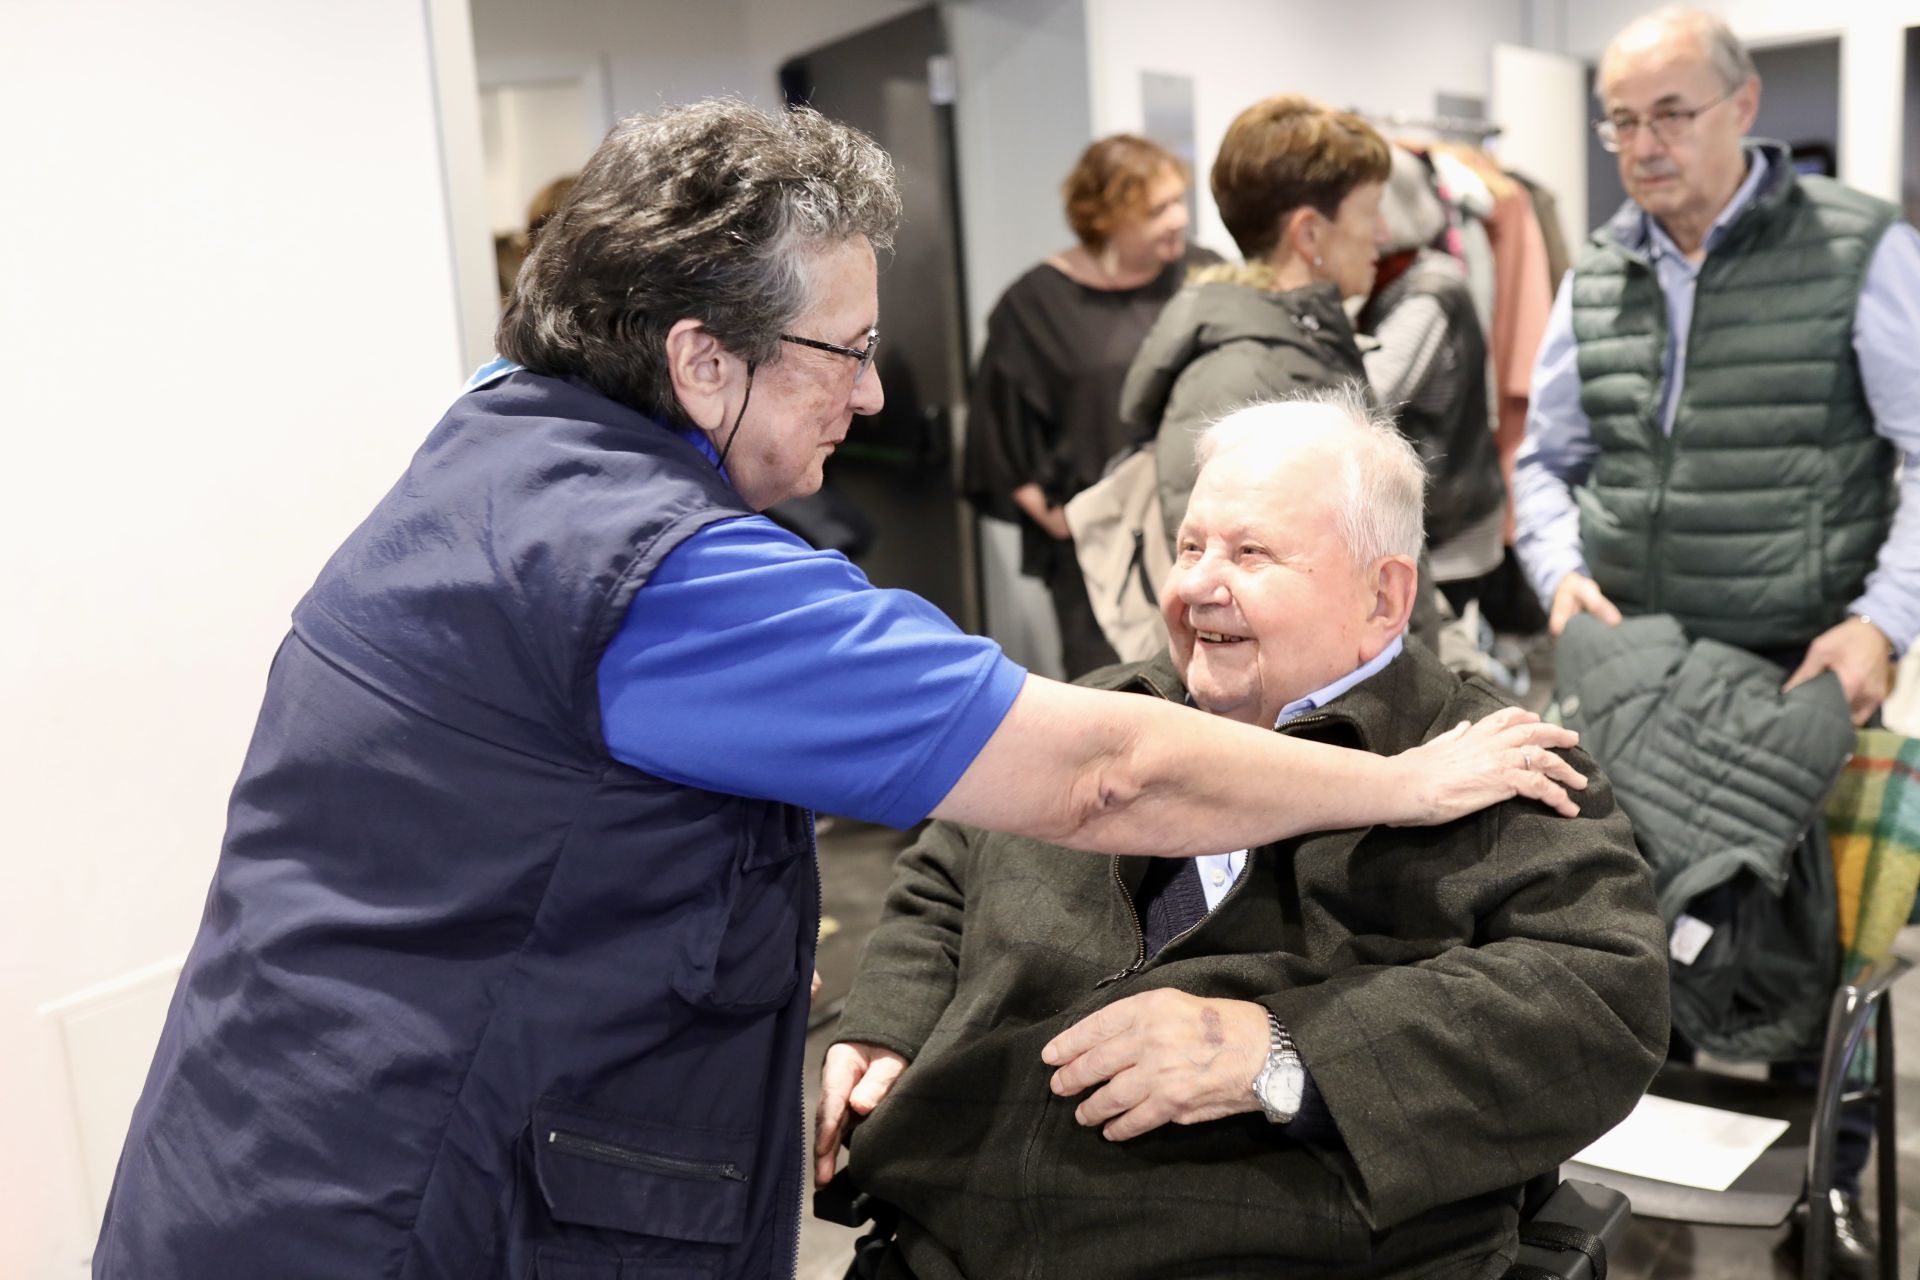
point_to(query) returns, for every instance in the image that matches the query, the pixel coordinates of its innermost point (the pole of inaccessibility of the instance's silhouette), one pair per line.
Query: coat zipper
(1139, 931)
(1133, 911)
(1139, 963)
(645, 1161)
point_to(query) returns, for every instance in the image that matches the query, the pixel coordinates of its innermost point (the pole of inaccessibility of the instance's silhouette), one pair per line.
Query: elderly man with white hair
(1335, 1055)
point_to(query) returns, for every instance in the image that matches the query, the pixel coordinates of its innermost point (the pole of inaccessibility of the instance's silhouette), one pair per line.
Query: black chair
(1802, 1158)
(1566, 1228)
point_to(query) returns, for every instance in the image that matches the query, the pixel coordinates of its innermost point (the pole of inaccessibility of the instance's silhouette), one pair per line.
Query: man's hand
(854, 1076)
(1859, 653)
(814, 994)
(1577, 593)
(1162, 1055)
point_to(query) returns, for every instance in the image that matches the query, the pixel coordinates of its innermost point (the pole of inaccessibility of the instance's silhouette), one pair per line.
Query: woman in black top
(1044, 418)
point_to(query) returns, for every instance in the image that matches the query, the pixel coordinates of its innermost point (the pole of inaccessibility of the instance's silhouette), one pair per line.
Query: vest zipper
(645, 1161)
(1663, 442)
(800, 1184)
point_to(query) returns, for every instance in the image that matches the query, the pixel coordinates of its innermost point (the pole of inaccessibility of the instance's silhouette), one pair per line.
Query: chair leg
(1844, 1027)
(1889, 1165)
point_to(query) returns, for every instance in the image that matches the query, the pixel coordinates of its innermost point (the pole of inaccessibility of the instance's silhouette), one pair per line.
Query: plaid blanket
(1873, 822)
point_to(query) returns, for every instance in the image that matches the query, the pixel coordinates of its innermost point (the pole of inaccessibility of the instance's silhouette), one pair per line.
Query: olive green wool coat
(1476, 1002)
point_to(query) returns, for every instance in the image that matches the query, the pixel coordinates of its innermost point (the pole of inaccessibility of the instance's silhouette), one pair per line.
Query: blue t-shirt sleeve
(750, 663)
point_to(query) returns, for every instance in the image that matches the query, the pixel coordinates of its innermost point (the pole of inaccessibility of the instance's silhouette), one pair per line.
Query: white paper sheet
(1680, 1142)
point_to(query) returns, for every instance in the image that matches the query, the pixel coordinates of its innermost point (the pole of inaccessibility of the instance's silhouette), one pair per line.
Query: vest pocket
(602, 1171)
(740, 951)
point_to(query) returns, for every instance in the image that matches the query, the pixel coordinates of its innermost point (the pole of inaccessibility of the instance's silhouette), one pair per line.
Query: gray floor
(857, 862)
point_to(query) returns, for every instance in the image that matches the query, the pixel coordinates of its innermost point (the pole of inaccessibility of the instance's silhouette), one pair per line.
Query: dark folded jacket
(1725, 778)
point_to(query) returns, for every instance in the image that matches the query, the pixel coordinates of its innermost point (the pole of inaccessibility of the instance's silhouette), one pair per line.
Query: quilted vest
(471, 998)
(1757, 521)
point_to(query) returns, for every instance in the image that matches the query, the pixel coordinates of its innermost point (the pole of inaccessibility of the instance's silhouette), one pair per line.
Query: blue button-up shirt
(1218, 871)
(1559, 448)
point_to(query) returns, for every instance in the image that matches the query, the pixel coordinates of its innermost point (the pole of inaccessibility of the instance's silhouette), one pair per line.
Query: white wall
(1022, 118)
(661, 52)
(1375, 55)
(230, 316)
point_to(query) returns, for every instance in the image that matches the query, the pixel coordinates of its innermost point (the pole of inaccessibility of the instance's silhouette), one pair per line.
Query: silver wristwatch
(1283, 1078)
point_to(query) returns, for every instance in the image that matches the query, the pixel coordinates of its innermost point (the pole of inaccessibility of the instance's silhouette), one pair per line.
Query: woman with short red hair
(1044, 418)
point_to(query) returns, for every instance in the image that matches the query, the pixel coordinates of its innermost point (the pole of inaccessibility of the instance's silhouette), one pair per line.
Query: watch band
(1280, 1055)
(1279, 1040)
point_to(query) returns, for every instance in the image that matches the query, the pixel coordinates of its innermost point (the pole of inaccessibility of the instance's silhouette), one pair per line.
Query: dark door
(894, 83)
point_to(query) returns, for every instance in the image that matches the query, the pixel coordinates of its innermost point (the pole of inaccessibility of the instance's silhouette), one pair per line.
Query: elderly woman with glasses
(503, 970)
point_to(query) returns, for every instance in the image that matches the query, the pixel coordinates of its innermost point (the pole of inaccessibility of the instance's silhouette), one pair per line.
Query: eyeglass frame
(863, 358)
(1608, 129)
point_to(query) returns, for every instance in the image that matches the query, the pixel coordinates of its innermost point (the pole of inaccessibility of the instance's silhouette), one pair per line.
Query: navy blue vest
(471, 998)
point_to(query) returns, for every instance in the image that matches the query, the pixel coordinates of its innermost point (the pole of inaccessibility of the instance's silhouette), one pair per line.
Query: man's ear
(1746, 101)
(702, 372)
(1394, 581)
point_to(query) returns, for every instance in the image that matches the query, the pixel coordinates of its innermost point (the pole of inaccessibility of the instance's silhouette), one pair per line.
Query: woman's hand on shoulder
(1479, 763)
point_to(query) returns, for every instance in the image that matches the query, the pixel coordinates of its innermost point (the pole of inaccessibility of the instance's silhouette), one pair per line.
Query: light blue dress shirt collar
(1322, 696)
(1218, 871)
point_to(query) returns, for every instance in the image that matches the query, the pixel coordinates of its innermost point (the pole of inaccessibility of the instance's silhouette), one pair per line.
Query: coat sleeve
(1011, 438)
(911, 963)
(1486, 1064)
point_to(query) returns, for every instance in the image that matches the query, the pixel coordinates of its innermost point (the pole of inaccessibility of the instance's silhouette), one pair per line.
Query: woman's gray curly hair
(714, 212)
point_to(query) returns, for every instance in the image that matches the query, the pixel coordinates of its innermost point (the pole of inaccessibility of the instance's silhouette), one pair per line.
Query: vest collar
(1630, 229)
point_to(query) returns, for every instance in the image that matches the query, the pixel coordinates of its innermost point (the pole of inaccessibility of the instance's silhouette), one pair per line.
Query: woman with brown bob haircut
(1298, 186)
(1045, 413)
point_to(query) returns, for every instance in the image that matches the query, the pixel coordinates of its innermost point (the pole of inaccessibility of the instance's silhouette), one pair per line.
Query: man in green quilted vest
(1723, 393)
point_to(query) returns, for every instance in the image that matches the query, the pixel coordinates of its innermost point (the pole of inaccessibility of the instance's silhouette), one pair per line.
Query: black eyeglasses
(863, 358)
(1669, 124)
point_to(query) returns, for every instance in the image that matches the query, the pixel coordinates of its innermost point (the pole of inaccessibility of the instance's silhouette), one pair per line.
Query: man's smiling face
(1265, 604)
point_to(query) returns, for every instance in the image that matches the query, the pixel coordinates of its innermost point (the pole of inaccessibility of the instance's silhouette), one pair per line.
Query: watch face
(1281, 1086)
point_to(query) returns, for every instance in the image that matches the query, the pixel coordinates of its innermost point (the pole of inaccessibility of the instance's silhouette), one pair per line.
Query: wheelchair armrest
(1575, 1210)
(842, 1202)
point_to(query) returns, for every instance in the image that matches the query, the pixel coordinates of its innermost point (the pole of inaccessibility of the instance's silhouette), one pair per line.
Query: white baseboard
(107, 1036)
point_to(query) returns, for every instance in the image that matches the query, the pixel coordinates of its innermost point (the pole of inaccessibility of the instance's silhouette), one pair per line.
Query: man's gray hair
(715, 212)
(1381, 505)
(1732, 64)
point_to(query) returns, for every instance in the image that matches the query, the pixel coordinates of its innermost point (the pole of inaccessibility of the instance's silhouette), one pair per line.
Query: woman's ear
(1301, 234)
(701, 370)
